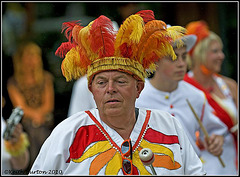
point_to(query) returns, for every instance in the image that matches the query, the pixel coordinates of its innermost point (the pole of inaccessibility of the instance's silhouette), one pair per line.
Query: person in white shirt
(167, 91)
(107, 140)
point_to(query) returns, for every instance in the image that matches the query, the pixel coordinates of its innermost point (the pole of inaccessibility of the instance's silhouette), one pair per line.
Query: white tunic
(81, 98)
(82, 144)
(175, 103)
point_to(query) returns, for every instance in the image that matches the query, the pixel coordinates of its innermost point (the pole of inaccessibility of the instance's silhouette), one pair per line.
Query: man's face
(173, 70)
(115, 92)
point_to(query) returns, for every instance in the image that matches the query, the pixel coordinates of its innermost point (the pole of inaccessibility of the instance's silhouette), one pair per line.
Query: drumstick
(147, 157)
(203, 129)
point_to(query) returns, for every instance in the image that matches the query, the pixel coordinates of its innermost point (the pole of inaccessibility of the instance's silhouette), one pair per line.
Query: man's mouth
(112, 101)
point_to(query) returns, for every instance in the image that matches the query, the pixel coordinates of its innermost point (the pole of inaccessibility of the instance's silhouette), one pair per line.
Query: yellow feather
(69, 67)
(177, 32)
(130, 32)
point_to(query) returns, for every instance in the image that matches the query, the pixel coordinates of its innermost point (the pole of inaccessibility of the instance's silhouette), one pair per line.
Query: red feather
(126, 51)
(68, 27)
(147, 15)
(63, 49)
(102, 37)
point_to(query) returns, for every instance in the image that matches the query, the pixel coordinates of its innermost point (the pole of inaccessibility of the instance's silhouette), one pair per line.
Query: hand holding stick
(203, 129)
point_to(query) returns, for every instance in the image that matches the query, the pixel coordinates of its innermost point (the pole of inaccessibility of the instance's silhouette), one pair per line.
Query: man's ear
(90, 87)
(140, 87)
(90, 81)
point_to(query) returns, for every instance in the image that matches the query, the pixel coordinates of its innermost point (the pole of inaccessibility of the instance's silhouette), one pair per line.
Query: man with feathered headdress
(107, 140)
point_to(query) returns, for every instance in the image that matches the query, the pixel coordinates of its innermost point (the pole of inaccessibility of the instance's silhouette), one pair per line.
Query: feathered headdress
(139, 43)
(198, 28)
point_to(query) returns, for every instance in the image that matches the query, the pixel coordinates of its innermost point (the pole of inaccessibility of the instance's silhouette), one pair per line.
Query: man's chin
(113, 110)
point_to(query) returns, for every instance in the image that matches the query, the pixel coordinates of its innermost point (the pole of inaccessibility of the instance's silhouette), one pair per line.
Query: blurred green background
(42, 22)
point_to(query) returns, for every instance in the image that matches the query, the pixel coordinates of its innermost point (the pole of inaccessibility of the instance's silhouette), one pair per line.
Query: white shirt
(175, 103)
(83, 144)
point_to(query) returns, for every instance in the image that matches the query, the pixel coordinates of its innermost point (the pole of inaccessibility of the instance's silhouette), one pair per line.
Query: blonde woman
(221, 91)
(31, 88)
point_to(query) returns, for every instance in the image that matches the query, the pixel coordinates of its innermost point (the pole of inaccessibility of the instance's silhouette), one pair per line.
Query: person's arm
(37, 115)
(20, 162)
(17, 99)
(214, 144)
(233, 87)
(17, 147)
(215, 129)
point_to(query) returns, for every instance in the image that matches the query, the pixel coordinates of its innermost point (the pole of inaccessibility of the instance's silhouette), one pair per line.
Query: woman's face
(31, 57)
(214, 57)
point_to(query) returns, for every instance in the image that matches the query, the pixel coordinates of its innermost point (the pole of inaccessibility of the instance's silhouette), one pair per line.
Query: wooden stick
(203, 129)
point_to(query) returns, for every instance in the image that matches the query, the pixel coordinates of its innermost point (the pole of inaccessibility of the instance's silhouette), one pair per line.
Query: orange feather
(151, 29)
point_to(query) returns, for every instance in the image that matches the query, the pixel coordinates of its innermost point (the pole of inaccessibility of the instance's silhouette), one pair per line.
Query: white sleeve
(54, 152)
(192, 163)
(81, 98)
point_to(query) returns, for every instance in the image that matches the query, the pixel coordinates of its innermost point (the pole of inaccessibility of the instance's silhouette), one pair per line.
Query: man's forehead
(112, 74)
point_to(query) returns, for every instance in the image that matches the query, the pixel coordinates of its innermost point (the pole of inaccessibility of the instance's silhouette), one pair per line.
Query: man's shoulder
(158, 113)
(72, 123)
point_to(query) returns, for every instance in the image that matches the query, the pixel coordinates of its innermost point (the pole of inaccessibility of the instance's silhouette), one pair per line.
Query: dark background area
(42, 22)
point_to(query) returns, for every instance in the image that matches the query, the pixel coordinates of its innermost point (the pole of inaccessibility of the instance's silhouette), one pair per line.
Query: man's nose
(111, 88)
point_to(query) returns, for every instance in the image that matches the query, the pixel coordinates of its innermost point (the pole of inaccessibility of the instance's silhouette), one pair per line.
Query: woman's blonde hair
(19, 69)
(201, 48)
